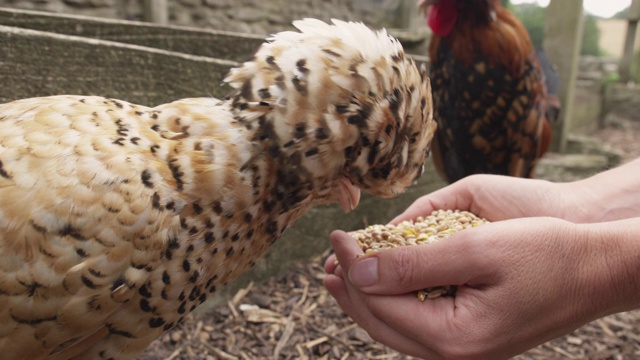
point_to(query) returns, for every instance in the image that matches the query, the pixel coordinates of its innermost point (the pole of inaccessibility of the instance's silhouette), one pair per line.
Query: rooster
(117, 219)
(489, 94)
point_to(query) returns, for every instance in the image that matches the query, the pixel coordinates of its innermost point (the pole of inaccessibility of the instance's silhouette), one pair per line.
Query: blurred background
(604, 21)
(154, 51)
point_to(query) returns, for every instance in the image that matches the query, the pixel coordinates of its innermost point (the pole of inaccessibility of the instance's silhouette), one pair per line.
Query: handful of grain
(424, 230)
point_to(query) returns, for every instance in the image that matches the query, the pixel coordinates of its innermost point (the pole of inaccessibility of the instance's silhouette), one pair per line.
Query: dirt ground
(294, 317)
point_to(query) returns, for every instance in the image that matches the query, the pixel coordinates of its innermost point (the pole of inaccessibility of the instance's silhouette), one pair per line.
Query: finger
(346, 250)
(345, 247)
(455, 261)
(337, 288)
(426, 323)
(401, 341)
(355, 306)
(330, 264)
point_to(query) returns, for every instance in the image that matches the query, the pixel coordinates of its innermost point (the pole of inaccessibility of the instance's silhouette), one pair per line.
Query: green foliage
(635, 67)
(622, 14)
(533, 18)
(591, 37)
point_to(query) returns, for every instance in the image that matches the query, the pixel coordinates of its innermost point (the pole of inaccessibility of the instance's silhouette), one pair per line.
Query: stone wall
(623, 100)
(594, 73)
(101, 8)
(597, 68)
(248, 16)
(599, 95)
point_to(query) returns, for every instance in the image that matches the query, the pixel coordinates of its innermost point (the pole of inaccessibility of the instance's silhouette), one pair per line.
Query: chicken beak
(349, 195)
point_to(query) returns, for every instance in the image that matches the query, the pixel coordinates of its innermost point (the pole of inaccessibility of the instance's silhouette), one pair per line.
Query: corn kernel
(424, 230)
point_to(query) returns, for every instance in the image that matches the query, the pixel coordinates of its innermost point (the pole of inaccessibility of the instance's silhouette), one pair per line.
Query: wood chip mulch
(294, 317)
(289, 317)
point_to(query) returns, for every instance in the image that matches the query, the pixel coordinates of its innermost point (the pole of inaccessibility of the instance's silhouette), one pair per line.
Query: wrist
(607, 196)
(582, 203)
(610, 266)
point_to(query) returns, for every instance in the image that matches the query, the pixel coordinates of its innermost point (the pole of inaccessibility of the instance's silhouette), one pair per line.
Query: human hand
(495, 197)
(520, 283)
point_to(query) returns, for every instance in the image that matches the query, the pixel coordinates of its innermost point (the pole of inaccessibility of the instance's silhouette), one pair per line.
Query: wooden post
(409, 16)
(562, 43)
(156, 11)
(626, 61)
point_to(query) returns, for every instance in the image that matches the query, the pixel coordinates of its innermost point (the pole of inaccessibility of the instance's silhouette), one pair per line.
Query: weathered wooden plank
(211, 43)
(36, 63)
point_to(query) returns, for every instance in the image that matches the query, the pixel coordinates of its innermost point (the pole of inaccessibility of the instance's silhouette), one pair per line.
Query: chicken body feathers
(119, 219)
(490, 122)
(490, 98)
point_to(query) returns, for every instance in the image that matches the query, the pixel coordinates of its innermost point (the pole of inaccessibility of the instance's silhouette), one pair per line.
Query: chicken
(117, 219)
(489, 92)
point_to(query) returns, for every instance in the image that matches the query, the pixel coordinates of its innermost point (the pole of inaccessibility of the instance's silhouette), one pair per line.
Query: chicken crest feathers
(370, 101)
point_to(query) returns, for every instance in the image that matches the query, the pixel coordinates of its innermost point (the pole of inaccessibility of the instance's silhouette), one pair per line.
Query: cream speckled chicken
(117, 219)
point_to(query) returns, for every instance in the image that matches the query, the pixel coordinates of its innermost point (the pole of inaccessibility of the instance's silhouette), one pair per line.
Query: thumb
(410, 268)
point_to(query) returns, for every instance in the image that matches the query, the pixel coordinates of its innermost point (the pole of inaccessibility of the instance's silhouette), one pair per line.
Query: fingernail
(364, 272)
